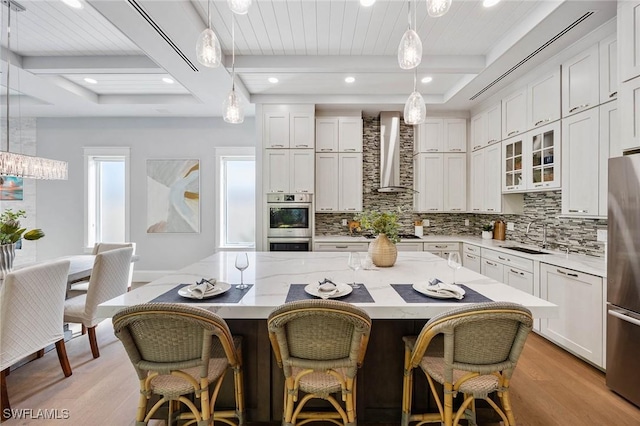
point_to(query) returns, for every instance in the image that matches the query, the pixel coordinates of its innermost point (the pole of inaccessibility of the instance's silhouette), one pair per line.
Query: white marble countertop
(273, 272)
(578, 262)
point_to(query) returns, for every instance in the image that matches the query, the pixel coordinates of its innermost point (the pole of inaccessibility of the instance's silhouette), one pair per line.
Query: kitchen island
(272, 273)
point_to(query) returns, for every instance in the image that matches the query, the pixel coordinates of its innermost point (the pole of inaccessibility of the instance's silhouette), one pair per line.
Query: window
(107, 195)
(237, 196)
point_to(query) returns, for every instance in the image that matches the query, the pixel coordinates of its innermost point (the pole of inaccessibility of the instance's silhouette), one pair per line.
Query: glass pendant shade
(410, 50)
(208, 49)
(437, 8)
(233, 112)
(239, 7)
(415, 111)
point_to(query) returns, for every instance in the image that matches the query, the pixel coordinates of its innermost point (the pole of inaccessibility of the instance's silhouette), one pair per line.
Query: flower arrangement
(487, 227)
(11, 230)
(380, 223)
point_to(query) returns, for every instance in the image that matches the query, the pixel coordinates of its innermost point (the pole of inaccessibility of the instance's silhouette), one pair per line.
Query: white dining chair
(31, 310)
(109, 279)
(83, 285)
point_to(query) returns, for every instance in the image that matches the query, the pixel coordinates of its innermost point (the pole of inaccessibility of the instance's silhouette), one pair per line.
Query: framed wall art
(173, 196)
(11, 188)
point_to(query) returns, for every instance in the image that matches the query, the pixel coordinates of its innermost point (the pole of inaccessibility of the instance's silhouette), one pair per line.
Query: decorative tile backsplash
(579, 235)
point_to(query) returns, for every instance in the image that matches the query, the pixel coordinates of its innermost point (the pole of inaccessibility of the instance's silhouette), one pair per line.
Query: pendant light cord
(233, 51)
(209, 12)
(8, 68)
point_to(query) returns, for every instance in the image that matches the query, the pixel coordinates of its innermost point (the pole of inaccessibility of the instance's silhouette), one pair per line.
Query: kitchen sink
(525, 250)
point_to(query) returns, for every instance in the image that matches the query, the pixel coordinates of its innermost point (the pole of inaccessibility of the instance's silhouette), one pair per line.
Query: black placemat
(233, 295)
(410, 295)
(358, 295)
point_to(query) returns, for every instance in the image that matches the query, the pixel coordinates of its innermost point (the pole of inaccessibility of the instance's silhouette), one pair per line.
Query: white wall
(60, 203)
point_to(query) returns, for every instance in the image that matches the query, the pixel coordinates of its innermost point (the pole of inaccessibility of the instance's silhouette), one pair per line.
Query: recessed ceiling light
(91, 80)
(349, 79)
(168, 80)
(273, 80)
(489, 3)
(427, 79)
(367, 3)
(76, 4)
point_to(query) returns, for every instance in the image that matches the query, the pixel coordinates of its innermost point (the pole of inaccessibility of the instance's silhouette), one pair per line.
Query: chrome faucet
(544, 233)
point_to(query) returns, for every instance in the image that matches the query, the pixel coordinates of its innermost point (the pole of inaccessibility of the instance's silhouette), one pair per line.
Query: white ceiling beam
(341, 99)
(90, 65)
(163, 99)
(470, 64)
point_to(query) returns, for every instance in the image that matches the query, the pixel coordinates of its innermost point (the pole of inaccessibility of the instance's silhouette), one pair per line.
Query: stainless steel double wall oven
(290, 222)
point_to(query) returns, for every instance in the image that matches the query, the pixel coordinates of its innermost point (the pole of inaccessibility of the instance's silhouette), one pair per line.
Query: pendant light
(25, 166)
(415, 111)
(239, 7)
(436, 8)
(233, 111)
(410, 48)
(208, 46)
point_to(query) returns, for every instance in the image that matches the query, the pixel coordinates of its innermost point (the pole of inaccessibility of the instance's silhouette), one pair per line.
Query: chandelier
(14, 164)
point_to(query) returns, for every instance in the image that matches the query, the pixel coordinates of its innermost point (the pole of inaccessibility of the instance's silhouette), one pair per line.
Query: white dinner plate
(342, 290)
(424, 289)
(219, 288)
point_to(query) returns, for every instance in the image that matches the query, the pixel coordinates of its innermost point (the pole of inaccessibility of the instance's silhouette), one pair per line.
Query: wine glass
(454, 263)
(354, 265)
(242, 263)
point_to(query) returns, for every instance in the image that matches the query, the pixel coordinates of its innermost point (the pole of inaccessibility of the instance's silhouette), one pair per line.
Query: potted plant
(382, 250)
(487, 231)
(10, 233)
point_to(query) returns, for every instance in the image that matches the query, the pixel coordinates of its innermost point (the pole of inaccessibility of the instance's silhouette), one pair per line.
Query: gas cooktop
(402, 236)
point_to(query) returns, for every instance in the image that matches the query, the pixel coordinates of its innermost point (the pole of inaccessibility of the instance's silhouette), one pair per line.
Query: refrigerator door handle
(623, 317)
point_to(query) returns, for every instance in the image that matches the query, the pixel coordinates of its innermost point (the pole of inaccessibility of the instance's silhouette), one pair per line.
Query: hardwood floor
(549, 387)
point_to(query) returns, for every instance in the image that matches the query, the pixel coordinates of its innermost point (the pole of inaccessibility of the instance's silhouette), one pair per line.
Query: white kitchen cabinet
(579, 296)
(507, 259)
(492, 179)
(288, 126)
(580, 164)
(478, 131)
(492, 269)
(408, 246)
(514, 114)
(455, 134)
(580, 82)
(608, 69)
(289, 170)
(350, 182)
(486, 127)
(514, 170)
(543, 96)
(338, 134)
(517, 278)
(609, 147)
(471, 261)
(440, 181)
(629, 104)
(629, 39)
(326, 195)
(476, 181)
(543, 158)
(338, 182)
(354, 246)
(441, 135)
(441, 249)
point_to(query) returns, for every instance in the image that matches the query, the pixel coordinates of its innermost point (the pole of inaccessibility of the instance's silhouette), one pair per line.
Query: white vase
(7, 254)
(487, 235)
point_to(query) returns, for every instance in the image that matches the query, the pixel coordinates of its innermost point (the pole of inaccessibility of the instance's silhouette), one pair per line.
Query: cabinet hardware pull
(510, 188)
(542, 121)
(303, 190)
(567, 273)
(492, 141)
(513, 132)
(477, 146)
(433, 209)
(613, 94)
(492, 264)
(351, 208)
(475, 210)
(471, 249)
(456, 149)
(278, 146)
(502, 258)
(326, 149)
(305, 146)
(490, 210)
(578, 107)
(470, 257)
(342, 246)
(432, 150)
(578, 211)
(455, 210)
(516, 272)
(350, 149)
(437, 246)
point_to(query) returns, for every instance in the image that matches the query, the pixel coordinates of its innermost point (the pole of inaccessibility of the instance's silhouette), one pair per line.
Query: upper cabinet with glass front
(513, 179)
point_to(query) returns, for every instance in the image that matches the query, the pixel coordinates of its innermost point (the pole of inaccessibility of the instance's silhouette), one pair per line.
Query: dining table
(388, 295)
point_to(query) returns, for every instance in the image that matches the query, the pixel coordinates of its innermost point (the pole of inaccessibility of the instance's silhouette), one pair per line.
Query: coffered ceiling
(110, 57)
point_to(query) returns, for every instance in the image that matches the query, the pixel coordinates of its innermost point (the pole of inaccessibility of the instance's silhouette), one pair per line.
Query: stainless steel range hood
(390, 153)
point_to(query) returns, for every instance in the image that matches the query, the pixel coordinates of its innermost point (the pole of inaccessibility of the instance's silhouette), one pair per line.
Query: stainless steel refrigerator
(623, 277)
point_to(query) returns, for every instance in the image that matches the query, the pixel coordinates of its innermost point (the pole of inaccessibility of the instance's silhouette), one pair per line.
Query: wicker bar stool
(172, 349)
(319, 344)
(471, 350)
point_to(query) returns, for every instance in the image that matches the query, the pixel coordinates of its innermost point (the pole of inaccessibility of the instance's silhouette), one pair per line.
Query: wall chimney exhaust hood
(390, 153)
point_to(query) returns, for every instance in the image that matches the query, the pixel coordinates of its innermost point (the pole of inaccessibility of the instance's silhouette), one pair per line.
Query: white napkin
(203, 288)
(327, 290)
(447, 290)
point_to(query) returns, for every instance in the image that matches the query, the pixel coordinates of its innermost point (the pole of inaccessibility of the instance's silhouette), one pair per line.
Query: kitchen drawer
(492, 269)
(341, 246)
(519, 279)
(442, 247)
(471, 261)
(409, 246)
(508, 259)
(471, 249)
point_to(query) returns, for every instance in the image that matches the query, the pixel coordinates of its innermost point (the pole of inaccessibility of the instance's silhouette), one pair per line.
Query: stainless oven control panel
(288, 198)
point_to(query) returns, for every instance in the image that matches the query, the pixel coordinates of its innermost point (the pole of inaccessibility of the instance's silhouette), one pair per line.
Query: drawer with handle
(341, 246)
(470, 248)
(508, 259)
(441, 246)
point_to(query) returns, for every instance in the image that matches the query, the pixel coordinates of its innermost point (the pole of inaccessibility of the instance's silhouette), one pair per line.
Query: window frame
(91, 154)
(220, 154)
